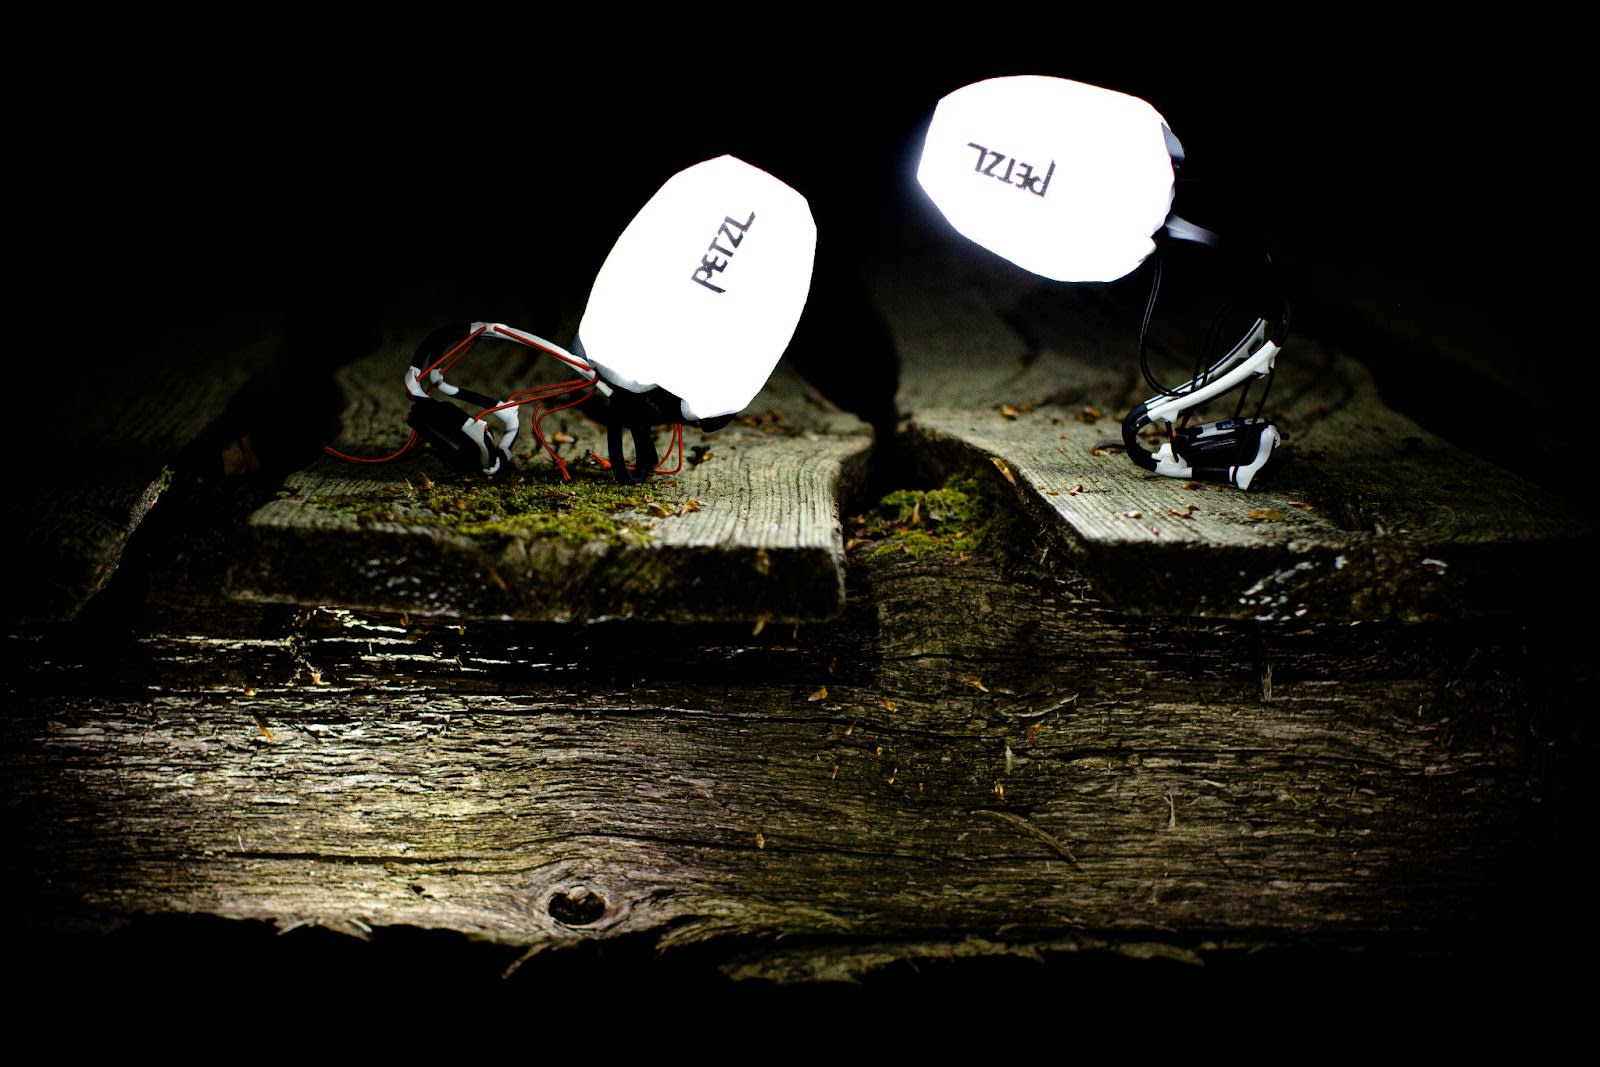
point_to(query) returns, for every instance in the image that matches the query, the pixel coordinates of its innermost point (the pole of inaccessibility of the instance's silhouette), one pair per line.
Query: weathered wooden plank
(964, 762)
(1364, 515)
(747, 529)
(134, 393)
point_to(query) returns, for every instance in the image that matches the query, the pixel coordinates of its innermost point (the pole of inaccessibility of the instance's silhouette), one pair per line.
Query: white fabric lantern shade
(703, 290)
(1067, 180)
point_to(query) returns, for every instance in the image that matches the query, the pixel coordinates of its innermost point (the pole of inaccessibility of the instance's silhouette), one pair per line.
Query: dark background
(1437, 170)
(1423, 191)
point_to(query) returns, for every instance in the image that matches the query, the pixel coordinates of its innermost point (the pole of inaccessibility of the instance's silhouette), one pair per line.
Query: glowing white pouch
(703, 290)
(1067, 180)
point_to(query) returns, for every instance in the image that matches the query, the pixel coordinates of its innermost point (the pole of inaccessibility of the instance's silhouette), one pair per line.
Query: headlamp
(1075, 183)
(688, 316)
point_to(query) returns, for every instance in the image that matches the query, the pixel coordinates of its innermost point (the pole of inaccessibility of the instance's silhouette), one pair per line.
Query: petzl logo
(1024, 176)
(717, 257)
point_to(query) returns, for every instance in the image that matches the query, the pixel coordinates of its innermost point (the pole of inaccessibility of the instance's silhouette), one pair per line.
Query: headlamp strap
(1232, 450)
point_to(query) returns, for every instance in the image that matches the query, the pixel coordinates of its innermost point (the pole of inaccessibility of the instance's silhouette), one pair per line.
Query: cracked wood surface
(1363, 515)
(960, 761)
(747, 528)
(143, 392)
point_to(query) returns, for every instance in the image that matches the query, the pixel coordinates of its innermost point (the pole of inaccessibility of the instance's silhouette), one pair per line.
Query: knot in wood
(579, 907)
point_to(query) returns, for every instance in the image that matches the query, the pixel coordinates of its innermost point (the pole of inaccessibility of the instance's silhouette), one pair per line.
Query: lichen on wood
(591, 507)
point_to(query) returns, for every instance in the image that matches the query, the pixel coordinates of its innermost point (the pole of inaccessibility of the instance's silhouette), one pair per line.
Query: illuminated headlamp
(698, 300)
(1075, 183)
(688, 316)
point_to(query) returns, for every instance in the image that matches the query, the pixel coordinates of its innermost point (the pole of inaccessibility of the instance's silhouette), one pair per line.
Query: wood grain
(751, 532)
(962, 760)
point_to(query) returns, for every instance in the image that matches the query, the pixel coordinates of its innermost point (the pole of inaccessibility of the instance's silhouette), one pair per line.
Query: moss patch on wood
(974, 513)
(586, 509)
(951, 520)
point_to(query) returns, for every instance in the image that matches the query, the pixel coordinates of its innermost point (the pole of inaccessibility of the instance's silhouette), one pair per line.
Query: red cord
(543, 346)
(677, 442)
(396, 454)
(538, 397)
(539, 412)
(454, 354)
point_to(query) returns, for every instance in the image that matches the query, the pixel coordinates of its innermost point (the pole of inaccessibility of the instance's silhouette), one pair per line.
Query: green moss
(971, 514)
(583, 510)
(952, 520)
